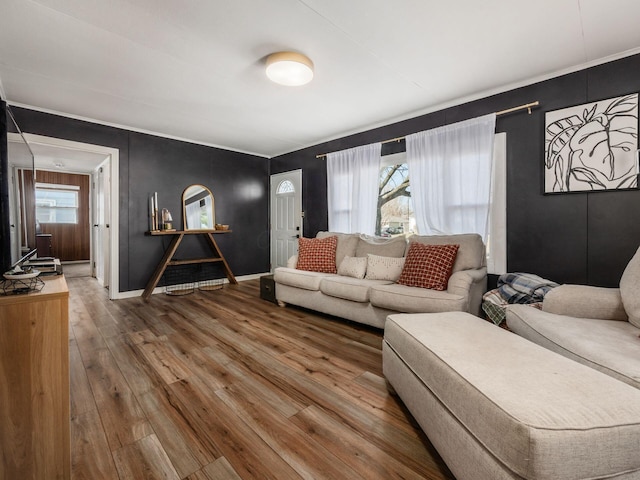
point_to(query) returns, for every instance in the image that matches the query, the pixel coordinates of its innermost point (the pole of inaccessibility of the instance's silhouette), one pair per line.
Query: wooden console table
(175, 243)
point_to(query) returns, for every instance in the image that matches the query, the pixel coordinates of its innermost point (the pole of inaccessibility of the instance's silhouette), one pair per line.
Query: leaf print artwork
(592, 147)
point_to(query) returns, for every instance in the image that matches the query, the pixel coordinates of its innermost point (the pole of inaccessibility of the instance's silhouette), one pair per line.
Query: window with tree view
(395, 210)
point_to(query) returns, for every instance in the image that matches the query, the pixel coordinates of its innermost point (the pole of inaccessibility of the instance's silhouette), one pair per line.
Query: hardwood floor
(76, 269)
(223, 385)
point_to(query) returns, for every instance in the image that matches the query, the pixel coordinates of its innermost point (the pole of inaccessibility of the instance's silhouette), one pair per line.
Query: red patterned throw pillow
(428, 266)
(317, 254)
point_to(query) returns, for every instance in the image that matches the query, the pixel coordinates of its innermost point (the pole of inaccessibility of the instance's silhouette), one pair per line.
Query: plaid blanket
(493, 306)
(523, 287)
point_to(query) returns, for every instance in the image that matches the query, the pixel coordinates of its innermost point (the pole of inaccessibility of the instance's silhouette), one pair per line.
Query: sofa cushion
(384, 268)
(630, 289)
(299, 278)
(353, 289)
(317, 254)
(385, 247)
(355, 267)
(428, 266)
(347, 243)
(539, 414)
(401, 298)
(606, 345)
(471, 254)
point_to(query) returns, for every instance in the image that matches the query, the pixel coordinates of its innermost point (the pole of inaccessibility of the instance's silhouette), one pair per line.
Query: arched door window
(285, 187)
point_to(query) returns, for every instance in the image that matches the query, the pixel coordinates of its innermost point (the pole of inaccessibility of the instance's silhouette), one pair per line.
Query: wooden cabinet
(34, 383)
(44, 245)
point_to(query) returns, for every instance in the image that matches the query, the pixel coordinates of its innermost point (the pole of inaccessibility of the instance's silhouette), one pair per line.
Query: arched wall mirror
(198, 208)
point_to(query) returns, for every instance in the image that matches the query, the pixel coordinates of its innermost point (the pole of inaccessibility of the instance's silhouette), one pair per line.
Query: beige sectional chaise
(369, 301)
(497, 406)
(557, 399)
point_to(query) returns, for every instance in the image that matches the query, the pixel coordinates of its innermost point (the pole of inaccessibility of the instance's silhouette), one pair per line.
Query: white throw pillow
(292, 261)
(354, 267)
(384, 268)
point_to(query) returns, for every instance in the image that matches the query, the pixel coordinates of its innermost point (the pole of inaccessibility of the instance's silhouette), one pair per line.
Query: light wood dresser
(34, 383)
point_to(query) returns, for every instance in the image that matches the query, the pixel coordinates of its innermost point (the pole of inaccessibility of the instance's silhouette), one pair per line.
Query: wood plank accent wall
(70, 242)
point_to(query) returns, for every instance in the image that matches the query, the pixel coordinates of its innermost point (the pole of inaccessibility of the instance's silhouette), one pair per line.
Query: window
(395, 209)
(285, 187)
(56, 203)
(395, 214)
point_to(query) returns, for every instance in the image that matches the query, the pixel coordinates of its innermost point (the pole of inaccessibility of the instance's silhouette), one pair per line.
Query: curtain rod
(526, 106)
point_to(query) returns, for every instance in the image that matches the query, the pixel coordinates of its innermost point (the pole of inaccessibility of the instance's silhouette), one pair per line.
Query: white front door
(286, 216)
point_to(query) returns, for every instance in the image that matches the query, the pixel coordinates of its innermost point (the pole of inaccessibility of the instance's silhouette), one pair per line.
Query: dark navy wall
(578, 238)
(148, 164)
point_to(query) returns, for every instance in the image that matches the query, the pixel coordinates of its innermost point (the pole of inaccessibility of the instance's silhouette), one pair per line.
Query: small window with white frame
(57, 203)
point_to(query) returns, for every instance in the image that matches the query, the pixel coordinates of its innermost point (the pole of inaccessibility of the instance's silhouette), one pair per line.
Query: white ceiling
(194, 69)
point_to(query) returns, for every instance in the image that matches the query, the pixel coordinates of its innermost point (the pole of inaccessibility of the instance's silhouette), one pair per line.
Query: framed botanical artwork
(592, 147)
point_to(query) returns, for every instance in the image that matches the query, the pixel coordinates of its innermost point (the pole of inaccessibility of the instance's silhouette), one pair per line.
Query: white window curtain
(450, 171)
(497, 241)
(353, 179)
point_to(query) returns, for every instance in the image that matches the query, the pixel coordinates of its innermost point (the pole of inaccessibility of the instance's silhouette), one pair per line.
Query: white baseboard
(138, 293)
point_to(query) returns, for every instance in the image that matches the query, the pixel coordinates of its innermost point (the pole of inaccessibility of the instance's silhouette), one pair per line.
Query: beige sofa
(598, 327)
(370, 301)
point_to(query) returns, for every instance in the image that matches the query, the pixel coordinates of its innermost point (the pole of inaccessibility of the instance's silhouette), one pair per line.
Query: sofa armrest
(470, 284)
(460, 282)
(584, 301)
(292, 261)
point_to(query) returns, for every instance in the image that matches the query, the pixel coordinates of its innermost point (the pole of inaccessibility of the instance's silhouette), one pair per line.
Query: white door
(101, 215)
(286, 216)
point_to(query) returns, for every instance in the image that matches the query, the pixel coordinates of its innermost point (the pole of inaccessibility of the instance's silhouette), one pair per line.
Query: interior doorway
(286, 216)
(54, 153)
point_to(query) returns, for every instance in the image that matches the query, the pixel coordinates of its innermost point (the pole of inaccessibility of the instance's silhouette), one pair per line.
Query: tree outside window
(395, 211)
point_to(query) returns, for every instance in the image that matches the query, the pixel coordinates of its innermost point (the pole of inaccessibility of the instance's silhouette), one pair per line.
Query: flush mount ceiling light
(289, 68)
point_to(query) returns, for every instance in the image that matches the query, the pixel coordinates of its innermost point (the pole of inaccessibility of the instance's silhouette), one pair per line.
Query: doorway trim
(114, 222)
